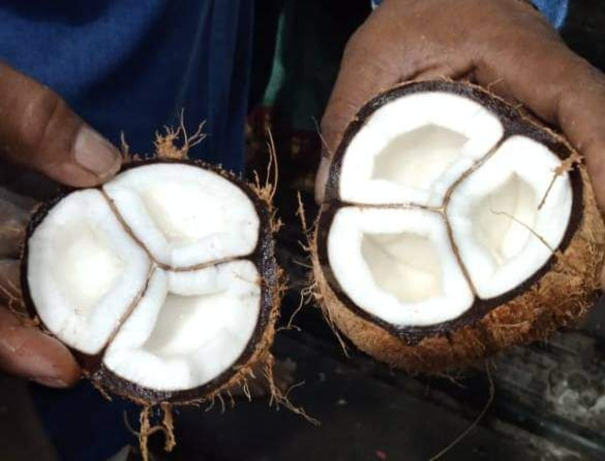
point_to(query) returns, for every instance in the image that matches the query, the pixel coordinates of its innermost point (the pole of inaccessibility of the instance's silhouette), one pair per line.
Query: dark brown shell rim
(514, 123)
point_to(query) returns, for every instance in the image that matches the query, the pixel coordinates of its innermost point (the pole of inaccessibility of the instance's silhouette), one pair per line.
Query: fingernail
(49, 381)
(323, 170)
(321, 179)
(95, 153)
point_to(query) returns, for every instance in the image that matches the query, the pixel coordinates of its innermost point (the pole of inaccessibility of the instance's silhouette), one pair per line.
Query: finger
(493, 83)
(38, 130)
(9, 280)
(363, 73)
(561, 88)
(446, 69)
(321, 178)
(26, 351)
(29, 353)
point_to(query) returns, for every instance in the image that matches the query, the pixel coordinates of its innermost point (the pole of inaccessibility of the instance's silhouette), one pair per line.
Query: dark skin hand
(504, 45)
(39, 131)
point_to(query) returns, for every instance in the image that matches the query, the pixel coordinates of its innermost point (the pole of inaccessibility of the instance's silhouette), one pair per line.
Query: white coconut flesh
(152, 272)
(196, 216)
(440, 210)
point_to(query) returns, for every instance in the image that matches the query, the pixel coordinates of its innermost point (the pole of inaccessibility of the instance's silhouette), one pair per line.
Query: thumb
(29, 353)
(364, 71)
(38, 130)
(26, 351)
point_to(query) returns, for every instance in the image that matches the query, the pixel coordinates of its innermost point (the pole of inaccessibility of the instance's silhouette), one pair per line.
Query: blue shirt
(132, 65)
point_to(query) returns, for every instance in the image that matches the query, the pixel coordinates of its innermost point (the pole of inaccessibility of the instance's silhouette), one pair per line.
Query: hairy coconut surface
(554, 285)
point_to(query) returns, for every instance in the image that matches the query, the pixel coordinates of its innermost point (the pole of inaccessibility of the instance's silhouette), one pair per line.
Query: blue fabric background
(131, 65)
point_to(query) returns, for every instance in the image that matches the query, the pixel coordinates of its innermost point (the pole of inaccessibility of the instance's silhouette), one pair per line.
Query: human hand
(39, 131)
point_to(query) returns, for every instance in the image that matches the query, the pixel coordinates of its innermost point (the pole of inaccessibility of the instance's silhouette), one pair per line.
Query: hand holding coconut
(39, 131)
(453, 225)
(505, 46)
(161, 281)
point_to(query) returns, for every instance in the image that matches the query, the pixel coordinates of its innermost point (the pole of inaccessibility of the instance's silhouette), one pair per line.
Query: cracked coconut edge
(131, 308)
(155, 265)
(441, 210)
(155, 262)
(446, 201)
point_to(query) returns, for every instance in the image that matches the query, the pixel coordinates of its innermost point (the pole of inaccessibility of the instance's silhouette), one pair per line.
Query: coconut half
(453, 227)
(163, 281)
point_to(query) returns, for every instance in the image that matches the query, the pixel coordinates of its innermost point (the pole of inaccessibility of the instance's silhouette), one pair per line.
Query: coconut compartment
(453, 227)
(163, 281)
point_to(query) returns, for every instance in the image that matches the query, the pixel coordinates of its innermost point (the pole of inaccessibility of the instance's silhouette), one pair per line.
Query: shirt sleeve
(554, 10)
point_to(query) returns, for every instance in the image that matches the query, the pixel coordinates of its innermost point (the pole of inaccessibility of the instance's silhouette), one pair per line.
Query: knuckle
(331, 120)
(38, 116)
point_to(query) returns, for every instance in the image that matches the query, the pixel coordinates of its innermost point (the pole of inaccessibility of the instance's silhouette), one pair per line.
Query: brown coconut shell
(556, 295)
(256, 355)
